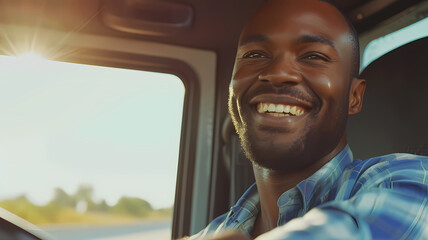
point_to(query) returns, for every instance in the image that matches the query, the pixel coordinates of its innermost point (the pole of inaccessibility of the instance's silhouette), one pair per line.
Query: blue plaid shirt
(380, 198)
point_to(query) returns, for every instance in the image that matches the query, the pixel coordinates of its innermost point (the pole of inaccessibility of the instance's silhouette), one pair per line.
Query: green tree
(84, 192)
(98, 207)
(61, 198)
(23, 208)
(132, 206)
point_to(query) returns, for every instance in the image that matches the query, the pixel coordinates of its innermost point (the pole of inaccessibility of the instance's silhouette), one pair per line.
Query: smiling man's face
(289, 94)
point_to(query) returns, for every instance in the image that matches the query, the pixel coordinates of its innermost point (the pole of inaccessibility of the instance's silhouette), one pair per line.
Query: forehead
(290, 18)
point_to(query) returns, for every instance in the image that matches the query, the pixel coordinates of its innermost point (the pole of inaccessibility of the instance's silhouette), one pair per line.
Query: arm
(388, 200)
(373, 214)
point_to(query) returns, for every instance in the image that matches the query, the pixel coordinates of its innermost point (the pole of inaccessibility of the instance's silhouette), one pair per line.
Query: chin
(286, 164)
(284, 157)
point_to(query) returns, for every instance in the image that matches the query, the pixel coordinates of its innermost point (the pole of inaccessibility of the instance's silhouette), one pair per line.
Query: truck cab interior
(196, 41)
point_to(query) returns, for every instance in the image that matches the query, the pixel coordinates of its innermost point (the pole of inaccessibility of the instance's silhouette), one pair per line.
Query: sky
(64, 124)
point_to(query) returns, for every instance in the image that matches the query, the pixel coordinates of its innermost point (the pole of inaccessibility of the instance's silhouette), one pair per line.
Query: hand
(229, 235)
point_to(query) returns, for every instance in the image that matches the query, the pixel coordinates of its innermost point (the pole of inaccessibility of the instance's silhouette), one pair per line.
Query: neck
(271, 184)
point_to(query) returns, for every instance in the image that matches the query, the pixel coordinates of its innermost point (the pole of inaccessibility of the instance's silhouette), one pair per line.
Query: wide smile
(280, 110)
(278, 105)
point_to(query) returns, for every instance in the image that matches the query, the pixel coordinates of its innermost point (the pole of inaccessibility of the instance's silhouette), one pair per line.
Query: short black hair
(355, 64)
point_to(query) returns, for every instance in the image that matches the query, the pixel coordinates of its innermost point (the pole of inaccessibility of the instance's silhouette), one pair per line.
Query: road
(160, 230)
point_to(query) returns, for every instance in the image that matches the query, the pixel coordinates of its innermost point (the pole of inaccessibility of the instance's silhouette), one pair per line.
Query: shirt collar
(249, 200)
(318, 185)
(244, 212)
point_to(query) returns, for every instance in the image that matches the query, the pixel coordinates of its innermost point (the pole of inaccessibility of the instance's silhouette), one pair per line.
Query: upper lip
(281, 99)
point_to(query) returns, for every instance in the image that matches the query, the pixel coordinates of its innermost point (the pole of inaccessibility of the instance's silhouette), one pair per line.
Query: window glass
(389, 42)
(89, 152)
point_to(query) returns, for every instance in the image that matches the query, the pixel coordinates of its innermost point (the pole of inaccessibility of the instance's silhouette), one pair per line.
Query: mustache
(292, 91)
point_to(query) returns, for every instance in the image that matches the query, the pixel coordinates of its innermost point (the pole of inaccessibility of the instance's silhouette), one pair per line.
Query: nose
(280, 72)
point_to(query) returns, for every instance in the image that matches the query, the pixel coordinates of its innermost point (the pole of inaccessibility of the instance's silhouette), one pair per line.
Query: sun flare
(31, 57)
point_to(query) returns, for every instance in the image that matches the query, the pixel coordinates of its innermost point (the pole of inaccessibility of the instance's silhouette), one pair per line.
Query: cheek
(237, 88)
(330, 85)
(244, 72)
(242, 79)
(327, 88)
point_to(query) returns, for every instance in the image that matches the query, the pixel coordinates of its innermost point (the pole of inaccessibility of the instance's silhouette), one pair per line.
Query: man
(295, 82)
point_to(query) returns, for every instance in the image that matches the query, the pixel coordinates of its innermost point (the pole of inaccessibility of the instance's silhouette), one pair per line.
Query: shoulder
(215, 225)
(397, 170)
(244, 210)
(397, 157)
(396, 162)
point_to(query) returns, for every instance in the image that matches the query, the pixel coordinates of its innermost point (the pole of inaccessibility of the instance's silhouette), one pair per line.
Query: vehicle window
(382, 45)
(89, 152)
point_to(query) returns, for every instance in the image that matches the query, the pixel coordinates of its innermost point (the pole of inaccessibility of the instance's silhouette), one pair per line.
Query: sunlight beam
(31, 57)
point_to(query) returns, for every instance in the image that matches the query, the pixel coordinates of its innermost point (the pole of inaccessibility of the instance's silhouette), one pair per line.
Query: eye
(314, 56)
(255, 54)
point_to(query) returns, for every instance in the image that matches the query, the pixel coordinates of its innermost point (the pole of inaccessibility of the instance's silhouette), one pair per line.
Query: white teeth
(279, 110)
(260, 108)
(265, 107)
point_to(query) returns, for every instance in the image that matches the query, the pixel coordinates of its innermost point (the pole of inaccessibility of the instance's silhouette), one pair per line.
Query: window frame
(196, 68)
(393, 24)
(186, 160)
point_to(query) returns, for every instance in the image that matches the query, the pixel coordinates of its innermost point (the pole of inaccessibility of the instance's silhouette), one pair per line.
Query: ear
(356, 94)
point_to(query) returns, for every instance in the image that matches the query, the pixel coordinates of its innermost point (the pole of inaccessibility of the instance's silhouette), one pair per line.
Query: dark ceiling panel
(348, 5)
(216, 24)
(62, 15)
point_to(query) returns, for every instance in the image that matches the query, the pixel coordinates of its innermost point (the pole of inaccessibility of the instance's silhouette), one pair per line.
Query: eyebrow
(308, 38)
(316, 39)
(253, 38)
